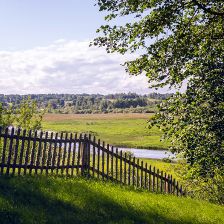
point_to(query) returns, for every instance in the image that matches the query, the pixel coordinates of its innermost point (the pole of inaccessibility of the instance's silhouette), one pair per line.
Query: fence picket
(161, 182)
(125, 167)
(16, 151)
(49, 154)
(121, 171)
(74, 155)
(137, 185)
(79, 154)
(44, 153)
(154, 179)
(98, 159)
(21, 152)
(33, 152)
(4, 150)
(129, 170)
(157, 180)
(141, 181)
(69, 154)
(145, 182)
(112, 162)
(10, 152)
(59, 154)
(108, 149)
(54, 153)
(103, 161)
(94, 155)
(64, 153)
(133, 172)
(165, 183)
(150, 178)
(39, 152)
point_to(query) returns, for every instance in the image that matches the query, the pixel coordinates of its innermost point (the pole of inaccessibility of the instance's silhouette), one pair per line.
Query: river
(148, 153)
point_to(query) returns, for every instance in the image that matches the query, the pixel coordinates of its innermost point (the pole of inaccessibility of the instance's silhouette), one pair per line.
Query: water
(148, 153)
(138, 153)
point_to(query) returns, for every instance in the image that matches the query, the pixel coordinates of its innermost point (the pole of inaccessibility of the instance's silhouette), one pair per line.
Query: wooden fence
(26, 152)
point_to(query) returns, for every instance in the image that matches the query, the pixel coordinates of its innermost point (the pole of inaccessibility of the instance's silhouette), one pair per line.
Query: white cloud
(66, 67)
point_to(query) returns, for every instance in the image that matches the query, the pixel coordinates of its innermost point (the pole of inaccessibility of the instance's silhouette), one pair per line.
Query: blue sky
(44, 48)
(29, 23)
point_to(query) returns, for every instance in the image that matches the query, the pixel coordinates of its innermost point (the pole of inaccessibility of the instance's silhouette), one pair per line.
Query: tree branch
(208, 10)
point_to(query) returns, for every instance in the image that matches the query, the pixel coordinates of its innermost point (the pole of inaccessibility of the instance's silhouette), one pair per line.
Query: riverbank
(121, 130)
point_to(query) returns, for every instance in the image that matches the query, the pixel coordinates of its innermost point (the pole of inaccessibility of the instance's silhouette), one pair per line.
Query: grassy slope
(61, 200)
(128, 130)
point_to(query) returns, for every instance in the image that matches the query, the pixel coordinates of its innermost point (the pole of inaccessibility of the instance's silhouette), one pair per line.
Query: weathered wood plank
(10, 152)
(125, 168)
(79, 154)
(133, 172)
(43, 158)
(108, 163)
(141, 181)
(121, 171)
(112, 162)
(103, 161)
(16, 151)
(4, 151)
(21, 158)
(33, 152)
(39, 153)
(74, 156)
(69, 154)
(54, 153)
(116, 165)
(94, 156)
(129, 170)
(145, 182)
(98, 159)
(59, 154)
(64, 152)
(49, 154)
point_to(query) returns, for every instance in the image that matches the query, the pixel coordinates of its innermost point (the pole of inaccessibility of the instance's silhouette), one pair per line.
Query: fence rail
(26, 152)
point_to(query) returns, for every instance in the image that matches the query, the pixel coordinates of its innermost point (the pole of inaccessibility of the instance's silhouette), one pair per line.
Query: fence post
(84, 153)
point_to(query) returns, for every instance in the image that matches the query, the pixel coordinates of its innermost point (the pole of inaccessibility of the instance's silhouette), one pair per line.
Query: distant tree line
(89, 103)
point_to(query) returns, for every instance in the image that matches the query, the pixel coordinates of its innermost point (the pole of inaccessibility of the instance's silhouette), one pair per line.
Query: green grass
(169, 168)
(31, 199)
(115, 130)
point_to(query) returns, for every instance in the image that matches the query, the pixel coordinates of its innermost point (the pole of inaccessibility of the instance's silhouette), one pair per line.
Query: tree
(178, 42)
(26, 116)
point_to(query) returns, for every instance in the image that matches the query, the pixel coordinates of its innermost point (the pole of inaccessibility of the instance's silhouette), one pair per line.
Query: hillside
(38, 199)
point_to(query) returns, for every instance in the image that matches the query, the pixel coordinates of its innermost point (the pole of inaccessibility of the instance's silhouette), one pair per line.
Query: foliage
(6, 116)
(26, 115)
(210, 188)
(90, 103)
(39, 199)
(177, 42)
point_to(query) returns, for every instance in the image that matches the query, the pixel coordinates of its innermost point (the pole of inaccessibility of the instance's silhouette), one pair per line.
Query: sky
(44, 48)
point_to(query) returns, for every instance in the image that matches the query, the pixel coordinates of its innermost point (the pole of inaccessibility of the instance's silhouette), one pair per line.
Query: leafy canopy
(177, 41)
(26, 116)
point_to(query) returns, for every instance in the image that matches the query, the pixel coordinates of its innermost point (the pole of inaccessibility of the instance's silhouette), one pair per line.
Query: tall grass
(39, 199)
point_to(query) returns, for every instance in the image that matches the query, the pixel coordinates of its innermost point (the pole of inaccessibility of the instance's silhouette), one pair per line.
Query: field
(50, 199)
(124, 130)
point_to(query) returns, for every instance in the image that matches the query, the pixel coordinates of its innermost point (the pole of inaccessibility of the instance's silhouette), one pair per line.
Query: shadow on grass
(32, 200)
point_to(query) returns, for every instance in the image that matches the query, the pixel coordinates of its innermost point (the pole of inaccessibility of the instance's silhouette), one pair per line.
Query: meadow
(40, 199)
(124, 130)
